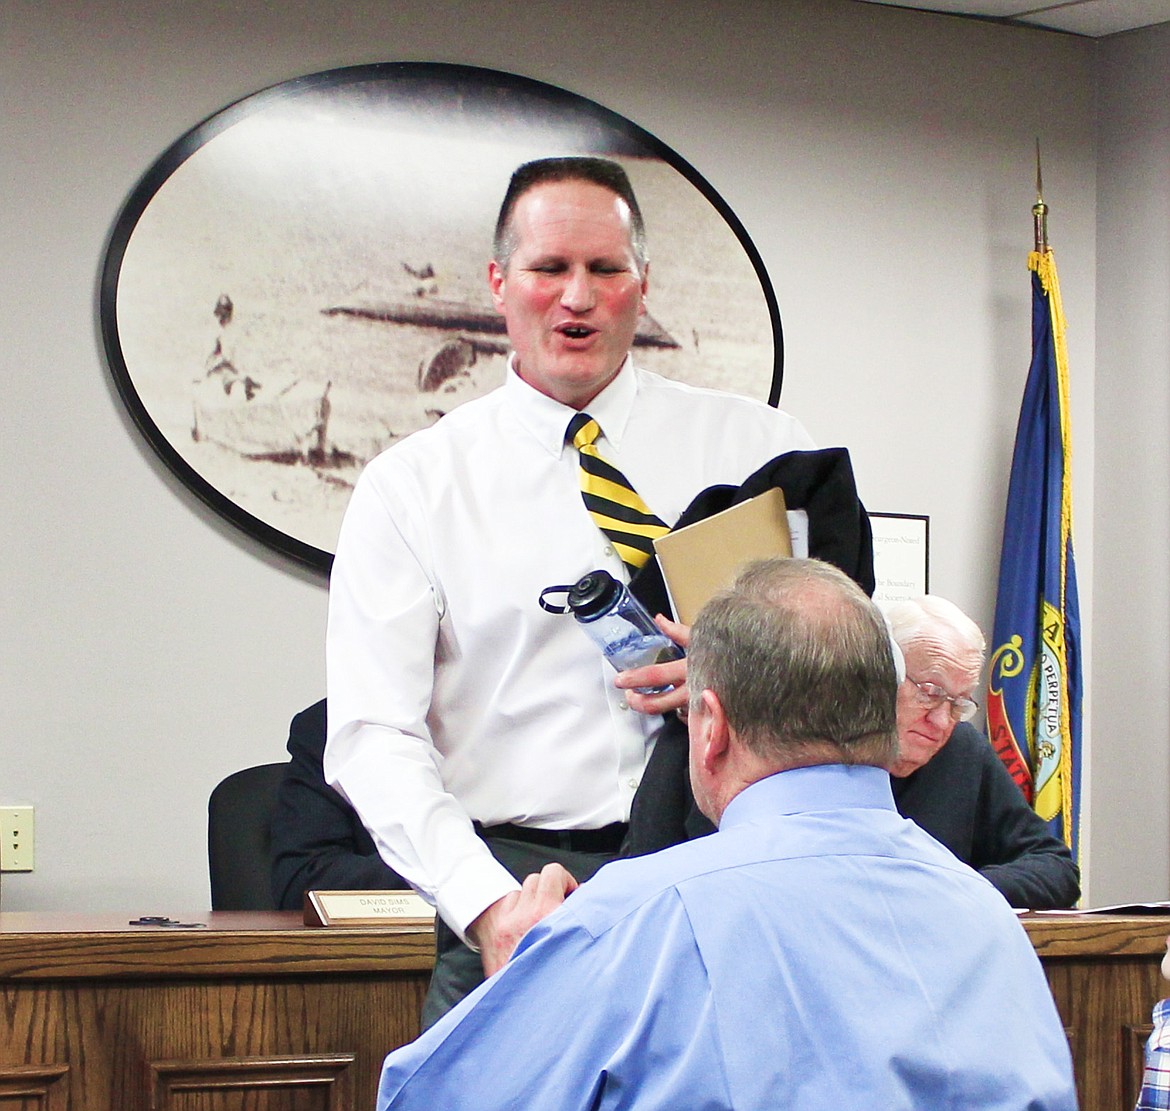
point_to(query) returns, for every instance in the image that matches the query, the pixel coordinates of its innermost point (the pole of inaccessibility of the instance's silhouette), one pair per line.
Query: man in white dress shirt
(461, 714)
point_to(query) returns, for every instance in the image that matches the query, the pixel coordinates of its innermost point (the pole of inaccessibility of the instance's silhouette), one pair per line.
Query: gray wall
(1130, 765)
(881, 160)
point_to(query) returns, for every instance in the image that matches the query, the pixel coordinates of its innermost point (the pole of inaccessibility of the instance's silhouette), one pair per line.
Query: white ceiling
(1082, 17)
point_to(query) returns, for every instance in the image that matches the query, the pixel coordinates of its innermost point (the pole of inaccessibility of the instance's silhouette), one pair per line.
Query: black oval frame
(174, 156)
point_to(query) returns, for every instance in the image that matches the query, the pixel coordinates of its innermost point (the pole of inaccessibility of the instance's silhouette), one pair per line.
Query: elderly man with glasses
(946, 776)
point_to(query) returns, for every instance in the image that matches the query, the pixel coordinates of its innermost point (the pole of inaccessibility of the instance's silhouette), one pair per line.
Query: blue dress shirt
(818, 952)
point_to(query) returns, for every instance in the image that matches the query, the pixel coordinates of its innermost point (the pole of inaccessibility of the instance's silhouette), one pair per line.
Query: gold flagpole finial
(1040, 210)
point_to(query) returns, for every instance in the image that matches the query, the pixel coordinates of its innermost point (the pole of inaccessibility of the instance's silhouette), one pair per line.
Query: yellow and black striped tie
(612, 502)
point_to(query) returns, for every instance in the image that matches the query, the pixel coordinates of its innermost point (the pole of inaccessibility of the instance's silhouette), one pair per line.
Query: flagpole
(1040, 210)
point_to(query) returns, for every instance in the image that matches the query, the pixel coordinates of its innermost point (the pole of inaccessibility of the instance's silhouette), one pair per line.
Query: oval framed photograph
(301, 280)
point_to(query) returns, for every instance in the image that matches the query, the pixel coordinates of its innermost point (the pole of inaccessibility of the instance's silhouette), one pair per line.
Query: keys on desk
(162, 920)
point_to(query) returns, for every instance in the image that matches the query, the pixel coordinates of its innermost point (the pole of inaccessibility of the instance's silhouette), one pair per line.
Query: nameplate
(367, 908)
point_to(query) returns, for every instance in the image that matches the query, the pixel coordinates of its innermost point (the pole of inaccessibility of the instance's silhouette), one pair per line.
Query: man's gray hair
(800, 660)
(597, 171)
(931, 619)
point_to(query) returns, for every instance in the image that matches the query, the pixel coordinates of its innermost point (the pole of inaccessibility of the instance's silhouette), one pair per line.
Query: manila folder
(699, 560)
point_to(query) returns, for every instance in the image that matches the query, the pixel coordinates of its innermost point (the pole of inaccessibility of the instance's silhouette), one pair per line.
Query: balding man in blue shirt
(818, 951)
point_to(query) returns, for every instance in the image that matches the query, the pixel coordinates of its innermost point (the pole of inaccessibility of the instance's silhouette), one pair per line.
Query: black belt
(607, 839)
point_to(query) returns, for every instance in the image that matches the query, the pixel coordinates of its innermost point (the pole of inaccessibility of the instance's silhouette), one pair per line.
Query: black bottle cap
(593, 594)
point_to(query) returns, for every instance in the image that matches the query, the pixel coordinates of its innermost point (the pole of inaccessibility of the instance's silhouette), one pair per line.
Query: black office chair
(238, 839)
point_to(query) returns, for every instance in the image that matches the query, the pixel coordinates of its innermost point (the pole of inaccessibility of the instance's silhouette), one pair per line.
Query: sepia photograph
(301, 280)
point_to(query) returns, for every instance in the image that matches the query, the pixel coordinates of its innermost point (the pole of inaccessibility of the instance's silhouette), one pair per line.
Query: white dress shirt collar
(546, 420)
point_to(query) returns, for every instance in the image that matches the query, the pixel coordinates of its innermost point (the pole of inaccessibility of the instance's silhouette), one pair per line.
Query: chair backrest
(238, 838)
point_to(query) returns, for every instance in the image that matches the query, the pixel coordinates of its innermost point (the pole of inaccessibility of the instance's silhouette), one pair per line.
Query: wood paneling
(1104, 974)
(249, 1013)
(32, 1087)
(265, 1083)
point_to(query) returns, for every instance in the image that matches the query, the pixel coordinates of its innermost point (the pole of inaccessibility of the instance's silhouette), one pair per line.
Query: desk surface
(58, 946)
(51, 945)
(1098, 935)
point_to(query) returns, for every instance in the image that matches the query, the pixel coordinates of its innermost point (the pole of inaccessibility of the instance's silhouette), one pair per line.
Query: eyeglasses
(931, 696)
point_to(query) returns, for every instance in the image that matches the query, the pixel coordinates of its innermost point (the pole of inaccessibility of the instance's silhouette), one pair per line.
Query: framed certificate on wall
(901, 556)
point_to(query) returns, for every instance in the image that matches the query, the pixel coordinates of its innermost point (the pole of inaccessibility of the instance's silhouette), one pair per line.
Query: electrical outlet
(16, 838)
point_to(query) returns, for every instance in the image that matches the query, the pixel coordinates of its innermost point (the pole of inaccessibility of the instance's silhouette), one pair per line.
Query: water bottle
(616, 622)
